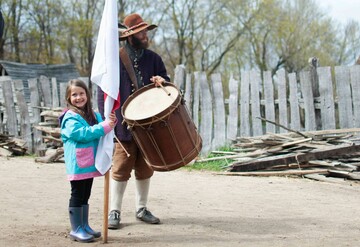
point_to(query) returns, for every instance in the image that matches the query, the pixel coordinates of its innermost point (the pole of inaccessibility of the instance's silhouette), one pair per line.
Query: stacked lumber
(50, 127)
(329, 153)
(10, 146)
(51, 148)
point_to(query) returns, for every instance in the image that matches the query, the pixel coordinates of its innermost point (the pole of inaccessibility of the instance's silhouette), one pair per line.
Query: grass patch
(215, 165)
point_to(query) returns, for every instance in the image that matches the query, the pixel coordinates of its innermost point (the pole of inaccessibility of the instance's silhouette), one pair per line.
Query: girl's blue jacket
(80, 144)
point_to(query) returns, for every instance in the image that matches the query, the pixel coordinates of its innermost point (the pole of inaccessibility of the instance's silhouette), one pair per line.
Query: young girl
(81, 129)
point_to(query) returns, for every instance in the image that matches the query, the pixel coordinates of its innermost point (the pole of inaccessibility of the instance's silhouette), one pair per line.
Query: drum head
(150, 103)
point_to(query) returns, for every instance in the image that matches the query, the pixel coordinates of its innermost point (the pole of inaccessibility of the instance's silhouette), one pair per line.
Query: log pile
(51, 150)
(10, 146)
(317, 154)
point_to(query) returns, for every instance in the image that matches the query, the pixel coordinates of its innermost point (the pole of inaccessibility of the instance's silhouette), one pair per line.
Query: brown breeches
(123, 165)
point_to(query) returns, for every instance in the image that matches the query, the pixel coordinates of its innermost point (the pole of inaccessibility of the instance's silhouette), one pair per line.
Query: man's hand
(158, 80)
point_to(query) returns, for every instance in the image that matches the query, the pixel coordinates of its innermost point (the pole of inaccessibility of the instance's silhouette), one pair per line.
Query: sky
(341, 10)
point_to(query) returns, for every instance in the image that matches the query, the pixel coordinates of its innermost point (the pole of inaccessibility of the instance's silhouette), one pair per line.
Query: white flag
(105, 73)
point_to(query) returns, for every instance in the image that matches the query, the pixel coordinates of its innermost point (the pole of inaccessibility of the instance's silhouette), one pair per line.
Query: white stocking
(142, 191)
(117, 194)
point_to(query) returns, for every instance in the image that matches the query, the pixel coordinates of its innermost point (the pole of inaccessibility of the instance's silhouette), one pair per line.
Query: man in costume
(139, 66)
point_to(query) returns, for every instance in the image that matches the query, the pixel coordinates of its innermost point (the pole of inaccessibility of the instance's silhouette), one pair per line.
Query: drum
(161, 126)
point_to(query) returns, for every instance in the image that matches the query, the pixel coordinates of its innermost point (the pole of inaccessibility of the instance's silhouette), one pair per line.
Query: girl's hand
(112, 120)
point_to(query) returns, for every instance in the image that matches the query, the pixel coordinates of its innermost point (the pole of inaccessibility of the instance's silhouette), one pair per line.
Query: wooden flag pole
(106, 198)
(106, 206)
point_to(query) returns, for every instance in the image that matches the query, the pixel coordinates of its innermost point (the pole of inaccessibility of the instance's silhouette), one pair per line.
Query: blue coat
(80, 144)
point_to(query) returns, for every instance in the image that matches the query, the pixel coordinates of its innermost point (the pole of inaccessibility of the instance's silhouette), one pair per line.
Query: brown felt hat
(133, 24)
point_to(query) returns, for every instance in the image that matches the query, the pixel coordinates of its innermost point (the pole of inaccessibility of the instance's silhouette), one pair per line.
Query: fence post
(327, 104)
(25, 125)
(343, 89)
(11, 122)
(315, 89)
(188, 93)
(46, 91)
(283, 102)
(307, 94)
(255, 103)
(36, 118)
(55, 94)
(355, 85)
(179, 76)
(219, 112)
(245, 104)
(294, 103)
(206, 123)
(233, 117)
(269, 102)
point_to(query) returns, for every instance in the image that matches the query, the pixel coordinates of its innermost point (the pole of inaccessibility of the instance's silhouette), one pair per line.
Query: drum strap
(128, 66)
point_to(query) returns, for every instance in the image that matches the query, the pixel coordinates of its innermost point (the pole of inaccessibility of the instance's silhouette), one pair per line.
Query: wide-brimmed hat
(133, 24)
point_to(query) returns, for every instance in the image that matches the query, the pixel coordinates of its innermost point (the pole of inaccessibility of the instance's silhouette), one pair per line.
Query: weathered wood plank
(46, 91)
(315, 89)
(219, 126)
(196, 97)
(55, 93)
(25, 125)
(188, 94)
(36, 118)
(11, 118)
(255, 92)
(276, 173)
(62, 89)
(269, 102)
(355, 85)
(307, 94)
(294, 103)
(233, 117)
(283, 102)
(327, 105)
(342, 79)
(263, 163)
(179, 76)
(245, 104)
(206, 124)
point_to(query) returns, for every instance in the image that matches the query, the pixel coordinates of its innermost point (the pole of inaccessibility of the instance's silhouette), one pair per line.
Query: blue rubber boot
(78, 232)
(86, 222)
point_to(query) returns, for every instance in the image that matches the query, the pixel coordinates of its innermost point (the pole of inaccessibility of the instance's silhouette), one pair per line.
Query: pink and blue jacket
(80, 144)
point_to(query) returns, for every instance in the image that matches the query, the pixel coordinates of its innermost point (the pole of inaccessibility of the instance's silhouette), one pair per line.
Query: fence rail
(318, 99)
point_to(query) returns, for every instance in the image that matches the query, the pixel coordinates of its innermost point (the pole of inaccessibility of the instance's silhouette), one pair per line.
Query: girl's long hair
(86, 112)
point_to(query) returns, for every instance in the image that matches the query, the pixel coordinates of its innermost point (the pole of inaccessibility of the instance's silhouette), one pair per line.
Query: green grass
(216, 165)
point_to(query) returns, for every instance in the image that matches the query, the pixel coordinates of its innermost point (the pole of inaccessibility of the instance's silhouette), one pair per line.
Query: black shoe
(146, 216)
(114, 219)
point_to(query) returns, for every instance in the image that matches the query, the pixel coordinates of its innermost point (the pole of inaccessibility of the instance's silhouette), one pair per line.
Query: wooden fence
(318, 99)
(21, 104)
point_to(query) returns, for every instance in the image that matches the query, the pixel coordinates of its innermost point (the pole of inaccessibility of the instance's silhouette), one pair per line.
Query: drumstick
(165, 90)
(127, 154)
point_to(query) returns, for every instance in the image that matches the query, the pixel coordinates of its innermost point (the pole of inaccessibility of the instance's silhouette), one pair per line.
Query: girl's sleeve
(72, 128)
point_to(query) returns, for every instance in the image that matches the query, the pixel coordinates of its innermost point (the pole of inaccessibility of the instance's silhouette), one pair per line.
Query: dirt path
(196, 209)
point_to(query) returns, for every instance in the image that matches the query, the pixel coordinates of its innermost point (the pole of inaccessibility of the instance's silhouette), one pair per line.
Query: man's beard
(138, 44)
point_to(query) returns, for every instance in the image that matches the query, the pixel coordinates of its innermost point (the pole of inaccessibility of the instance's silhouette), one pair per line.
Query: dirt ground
(196, 209)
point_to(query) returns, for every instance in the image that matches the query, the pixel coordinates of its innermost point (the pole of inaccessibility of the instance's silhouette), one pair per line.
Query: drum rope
(188, 129)
(176, 143)
(153, 141)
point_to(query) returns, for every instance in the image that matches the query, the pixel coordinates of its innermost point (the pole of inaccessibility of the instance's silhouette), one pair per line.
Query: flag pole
(106, 206)
(106, 198)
